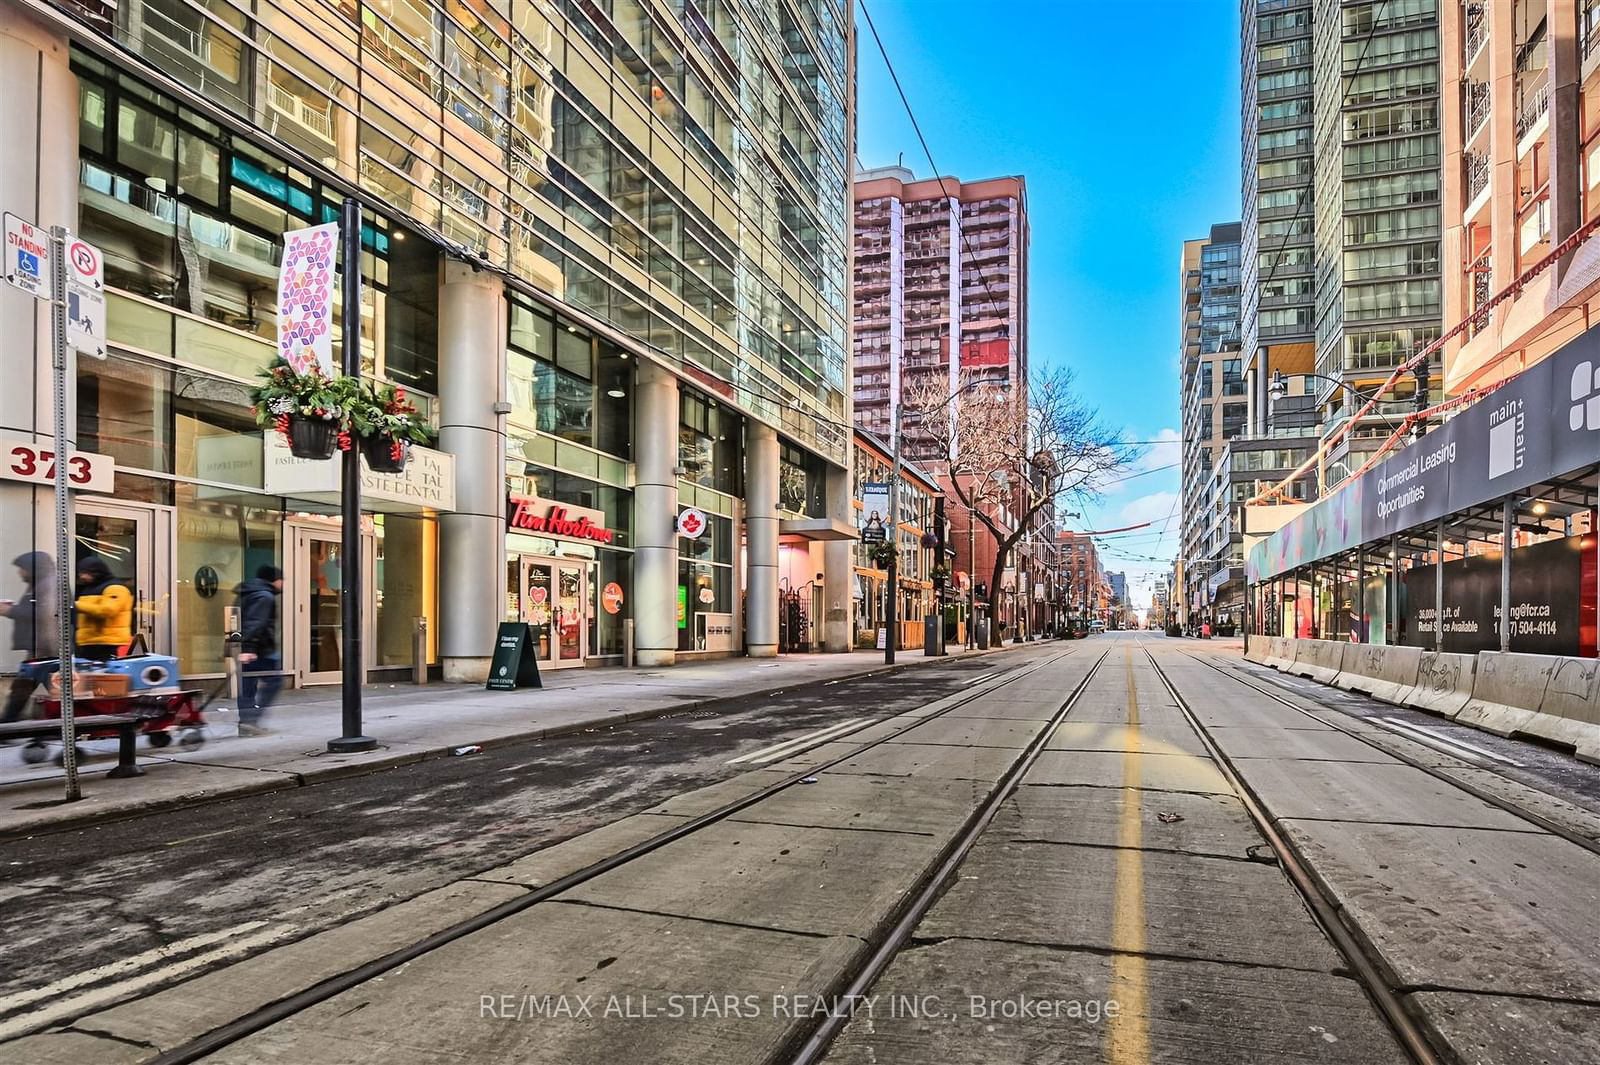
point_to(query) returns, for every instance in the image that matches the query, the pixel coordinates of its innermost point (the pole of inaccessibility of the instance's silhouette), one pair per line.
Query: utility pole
(351, 595)
(64, 564)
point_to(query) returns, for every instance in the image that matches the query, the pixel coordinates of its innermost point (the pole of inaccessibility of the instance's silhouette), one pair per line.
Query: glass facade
(677, 170)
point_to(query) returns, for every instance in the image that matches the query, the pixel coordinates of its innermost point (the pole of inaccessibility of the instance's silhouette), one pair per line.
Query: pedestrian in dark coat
(34, 625)
(258, 647)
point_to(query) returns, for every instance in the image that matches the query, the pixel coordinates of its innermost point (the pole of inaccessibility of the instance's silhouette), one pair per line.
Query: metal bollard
(231, 650)
(627, 643)
(419, 650)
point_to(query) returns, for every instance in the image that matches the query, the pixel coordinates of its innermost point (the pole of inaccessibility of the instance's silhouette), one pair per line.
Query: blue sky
(1127, 130)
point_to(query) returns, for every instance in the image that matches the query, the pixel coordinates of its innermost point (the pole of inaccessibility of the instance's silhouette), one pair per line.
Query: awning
(817, 529)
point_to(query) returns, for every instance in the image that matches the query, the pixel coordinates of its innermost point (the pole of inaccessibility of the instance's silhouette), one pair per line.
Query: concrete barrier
(1349, 663)
(1280, 653)
(1506, 691)
(1444, 683)
(1318, 659)
(1386, 673)
(1570, 711)
(1256, 648)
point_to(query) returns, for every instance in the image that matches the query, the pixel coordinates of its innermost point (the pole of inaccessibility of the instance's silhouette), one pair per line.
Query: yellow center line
(1127, 1031)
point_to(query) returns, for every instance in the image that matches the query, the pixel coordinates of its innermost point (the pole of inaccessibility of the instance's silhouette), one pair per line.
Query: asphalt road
(72, 902)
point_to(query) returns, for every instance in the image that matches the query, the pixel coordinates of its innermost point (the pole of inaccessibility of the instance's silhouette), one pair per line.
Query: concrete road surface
(1114, 901)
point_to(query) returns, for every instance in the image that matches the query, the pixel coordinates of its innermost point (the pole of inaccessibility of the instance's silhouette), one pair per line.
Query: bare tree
(1011, 453)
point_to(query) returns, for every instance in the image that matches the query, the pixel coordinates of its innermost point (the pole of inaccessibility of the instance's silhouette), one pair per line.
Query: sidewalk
(410, 723)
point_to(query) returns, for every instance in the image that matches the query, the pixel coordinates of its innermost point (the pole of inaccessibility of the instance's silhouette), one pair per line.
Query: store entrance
(137, 543)
(316, 611)
(552, 596)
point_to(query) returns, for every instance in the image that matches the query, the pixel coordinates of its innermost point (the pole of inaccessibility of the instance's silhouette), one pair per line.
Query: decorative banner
(305, 298)
(874, 512)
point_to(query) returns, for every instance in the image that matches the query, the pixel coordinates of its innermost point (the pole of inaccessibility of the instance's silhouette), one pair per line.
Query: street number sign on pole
(86, 298)
(27, 264)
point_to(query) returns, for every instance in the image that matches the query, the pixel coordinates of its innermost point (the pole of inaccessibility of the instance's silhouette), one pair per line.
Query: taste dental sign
(542, 517)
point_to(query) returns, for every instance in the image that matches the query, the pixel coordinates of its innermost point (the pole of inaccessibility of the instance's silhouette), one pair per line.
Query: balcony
(1477, 32)
(1477, 167)
(1475, 106)
(1535, 105)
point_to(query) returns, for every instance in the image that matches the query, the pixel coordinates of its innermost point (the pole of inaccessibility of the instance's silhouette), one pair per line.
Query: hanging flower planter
(385, 454)
(311, 438)
(388, 425)
(308, 409)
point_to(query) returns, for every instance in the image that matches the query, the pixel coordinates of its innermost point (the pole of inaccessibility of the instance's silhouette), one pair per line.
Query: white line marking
(93, 999)
(780, 750)
(1423, 734)
(13, 1002)
(986, 676)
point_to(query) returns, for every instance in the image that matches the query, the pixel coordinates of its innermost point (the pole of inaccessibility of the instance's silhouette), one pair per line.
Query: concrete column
(472, 569)
(1502, 147)
(655, 516)
(761, 539)
(1566, 133)
(38, 181)
(838, 584)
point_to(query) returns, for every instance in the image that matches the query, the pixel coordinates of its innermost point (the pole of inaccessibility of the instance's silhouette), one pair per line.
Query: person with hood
(105, 611)
(258, 647)
(34, 624)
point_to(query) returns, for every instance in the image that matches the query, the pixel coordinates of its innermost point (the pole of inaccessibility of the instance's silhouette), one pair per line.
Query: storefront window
(405, 584)
(222, 539)
(705, 579)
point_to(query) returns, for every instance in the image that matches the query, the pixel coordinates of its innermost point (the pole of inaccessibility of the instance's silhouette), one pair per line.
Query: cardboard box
(107, 685)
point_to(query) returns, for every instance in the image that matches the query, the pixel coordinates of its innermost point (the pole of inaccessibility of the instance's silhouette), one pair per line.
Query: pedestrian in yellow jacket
(105, 611)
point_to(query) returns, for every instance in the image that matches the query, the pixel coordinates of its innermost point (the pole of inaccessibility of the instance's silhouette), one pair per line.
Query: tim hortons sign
(542, 517)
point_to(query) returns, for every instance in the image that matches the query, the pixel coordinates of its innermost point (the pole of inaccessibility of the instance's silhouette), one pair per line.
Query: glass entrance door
(136, 542)
(553, 600)
(315, 580)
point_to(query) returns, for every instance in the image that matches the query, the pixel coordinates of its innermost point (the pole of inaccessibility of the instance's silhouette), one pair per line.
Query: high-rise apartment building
(1214, 403)
(941, 290)
(1341, 189)
(605, 247)
(1521, 175)
(1376, 68)
(1277, 302)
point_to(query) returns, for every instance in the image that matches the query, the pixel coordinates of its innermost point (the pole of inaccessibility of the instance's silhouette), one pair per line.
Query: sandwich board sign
(515, 663)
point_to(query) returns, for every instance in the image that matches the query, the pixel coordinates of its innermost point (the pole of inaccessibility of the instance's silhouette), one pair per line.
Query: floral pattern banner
(305, 298)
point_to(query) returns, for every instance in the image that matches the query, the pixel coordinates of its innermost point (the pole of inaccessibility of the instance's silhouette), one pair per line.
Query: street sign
(27, 262)
(86, 298)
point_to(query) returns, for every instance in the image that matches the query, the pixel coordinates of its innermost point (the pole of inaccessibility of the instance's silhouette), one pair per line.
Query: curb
(290, 781)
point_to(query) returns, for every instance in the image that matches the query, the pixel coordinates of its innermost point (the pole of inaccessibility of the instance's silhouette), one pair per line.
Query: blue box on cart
(145, 672)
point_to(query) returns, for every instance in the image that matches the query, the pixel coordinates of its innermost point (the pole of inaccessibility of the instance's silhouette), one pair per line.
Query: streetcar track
(1365, 964)
(1506, 805)
(328, 988)
(917, 900)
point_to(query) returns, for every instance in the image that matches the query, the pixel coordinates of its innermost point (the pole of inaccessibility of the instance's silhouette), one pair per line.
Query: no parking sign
(86, 298)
